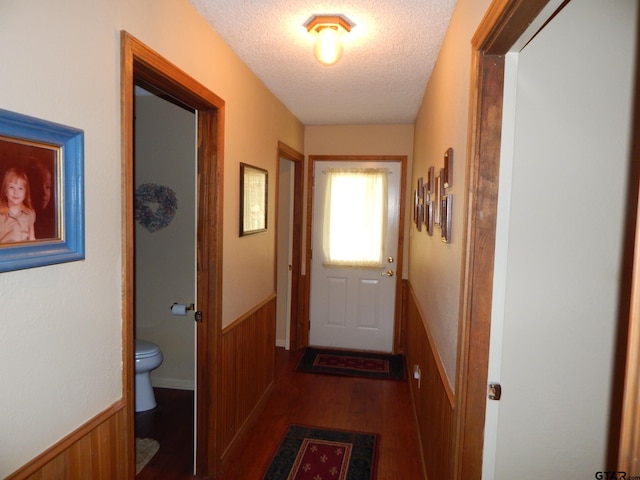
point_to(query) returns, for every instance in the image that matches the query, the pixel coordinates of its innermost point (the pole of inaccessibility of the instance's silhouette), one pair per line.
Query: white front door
(353, 307)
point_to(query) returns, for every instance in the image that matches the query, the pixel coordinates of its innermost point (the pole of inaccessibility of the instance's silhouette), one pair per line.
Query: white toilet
(148, 357)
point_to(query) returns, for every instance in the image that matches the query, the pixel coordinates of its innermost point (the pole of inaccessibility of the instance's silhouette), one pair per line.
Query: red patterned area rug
(310, 453)
(354, 364)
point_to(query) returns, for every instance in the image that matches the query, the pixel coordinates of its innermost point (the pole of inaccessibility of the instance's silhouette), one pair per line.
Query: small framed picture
(448, 168)
(253, 199)
(430, 179)
(41, 192)
(447, 205)
(429, 217)
(436, 201)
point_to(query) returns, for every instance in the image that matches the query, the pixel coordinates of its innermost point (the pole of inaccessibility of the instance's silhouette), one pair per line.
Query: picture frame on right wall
(436, 200)
(445, 222)
(448, 168)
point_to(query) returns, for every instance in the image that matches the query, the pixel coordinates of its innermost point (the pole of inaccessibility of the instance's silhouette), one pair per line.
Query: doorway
(165, 264)
(505, 26)
(290, 331)
(387, 275)
(142, 66)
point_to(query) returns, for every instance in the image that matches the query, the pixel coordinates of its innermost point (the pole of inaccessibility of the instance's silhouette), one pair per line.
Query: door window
(355, 218)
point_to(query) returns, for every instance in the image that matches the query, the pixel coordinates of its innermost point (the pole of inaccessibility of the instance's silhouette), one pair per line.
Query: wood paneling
(248, 349)
(433, 398)
(97, 450)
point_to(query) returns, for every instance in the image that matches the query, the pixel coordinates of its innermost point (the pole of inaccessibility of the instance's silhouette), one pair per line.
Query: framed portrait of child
(41, 192)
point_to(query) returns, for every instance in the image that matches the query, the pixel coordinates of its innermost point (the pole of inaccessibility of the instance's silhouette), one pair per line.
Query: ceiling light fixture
(328, 30)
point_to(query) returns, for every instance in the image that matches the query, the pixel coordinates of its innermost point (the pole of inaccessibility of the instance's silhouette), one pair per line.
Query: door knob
(388, 273)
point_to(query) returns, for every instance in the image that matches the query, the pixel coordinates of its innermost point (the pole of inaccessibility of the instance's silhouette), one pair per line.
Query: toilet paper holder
(181, 308)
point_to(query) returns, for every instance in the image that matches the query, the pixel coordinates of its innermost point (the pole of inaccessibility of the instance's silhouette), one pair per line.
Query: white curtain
(355, 218)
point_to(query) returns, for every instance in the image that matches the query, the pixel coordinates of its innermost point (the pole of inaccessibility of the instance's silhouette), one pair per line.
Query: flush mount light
(328, 30)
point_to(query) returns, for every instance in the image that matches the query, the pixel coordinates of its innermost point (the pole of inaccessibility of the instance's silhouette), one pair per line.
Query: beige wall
(60, 331)
(434, 269)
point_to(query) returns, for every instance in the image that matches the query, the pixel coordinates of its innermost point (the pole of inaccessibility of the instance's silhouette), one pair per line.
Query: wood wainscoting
(97, 450)
(248, 364)
(433, 400)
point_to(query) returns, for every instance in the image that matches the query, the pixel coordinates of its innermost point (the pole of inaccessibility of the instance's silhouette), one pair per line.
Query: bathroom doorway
(144, 67)
(165, 137)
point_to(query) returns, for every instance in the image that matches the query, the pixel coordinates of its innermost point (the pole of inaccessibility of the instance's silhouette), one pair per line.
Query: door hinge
(197, 316)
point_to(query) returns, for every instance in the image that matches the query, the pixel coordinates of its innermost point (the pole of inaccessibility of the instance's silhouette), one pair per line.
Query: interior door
(352, 306)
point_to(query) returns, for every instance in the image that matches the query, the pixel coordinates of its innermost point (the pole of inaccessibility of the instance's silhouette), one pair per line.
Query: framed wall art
(429, 217)
(441, 197)
(41, 192)
(430, 180)
(436, 200)
(448, 168)
(253, 199)
(445, 223)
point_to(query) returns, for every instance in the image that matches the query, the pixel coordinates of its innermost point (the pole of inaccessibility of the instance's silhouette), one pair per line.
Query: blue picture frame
(25, 143)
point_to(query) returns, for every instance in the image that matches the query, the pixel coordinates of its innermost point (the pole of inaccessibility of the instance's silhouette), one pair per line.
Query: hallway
(377, 406)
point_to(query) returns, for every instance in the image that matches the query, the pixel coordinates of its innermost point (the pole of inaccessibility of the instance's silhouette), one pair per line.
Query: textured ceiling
(388, 55)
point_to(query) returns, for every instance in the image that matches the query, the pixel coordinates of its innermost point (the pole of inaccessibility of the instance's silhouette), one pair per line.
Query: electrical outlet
(417, 374)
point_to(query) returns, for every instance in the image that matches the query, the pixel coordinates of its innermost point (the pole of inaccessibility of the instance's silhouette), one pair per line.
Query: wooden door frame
(398, 328)
(141, 65)
(296, 320)
(503, 25)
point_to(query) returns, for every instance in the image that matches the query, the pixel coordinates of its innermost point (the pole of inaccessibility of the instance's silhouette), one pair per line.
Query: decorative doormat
(146, 448)
(308, 453)
(353, 364)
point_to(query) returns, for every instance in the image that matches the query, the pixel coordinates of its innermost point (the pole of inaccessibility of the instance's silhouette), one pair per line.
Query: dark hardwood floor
(171, 423)
(377, 406)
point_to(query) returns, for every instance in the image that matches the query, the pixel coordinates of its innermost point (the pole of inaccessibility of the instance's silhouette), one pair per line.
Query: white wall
(60, 326)
(561, 234)
(165, 154)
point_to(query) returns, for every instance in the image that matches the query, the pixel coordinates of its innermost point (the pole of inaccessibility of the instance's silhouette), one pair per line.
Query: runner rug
(310, 453)
(354, 364)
